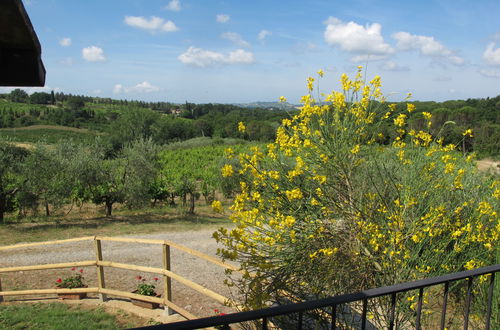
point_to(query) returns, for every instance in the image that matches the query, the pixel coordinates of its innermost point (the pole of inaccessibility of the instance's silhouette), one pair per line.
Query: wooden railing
(100, 264)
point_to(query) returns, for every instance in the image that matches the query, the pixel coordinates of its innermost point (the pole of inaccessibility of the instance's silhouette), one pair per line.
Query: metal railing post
(100, 269)
(167, 282)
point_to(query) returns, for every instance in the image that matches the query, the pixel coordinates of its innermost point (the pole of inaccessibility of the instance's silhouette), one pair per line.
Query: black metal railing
(333, 303)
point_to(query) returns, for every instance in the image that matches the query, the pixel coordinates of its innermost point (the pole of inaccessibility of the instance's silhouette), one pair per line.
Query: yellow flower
(217, 206)
(346, 83)
(468, 133)
(310, 83)
(294, 194)
(471, 264)
(321, 73)
(427, 115)
(282, 99)
(227, 170)
(410, 107)
(241, 127)
(400, 120)
(355, 149)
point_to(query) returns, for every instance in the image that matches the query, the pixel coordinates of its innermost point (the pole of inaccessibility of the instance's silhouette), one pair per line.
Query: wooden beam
(167, 282)
(131, 240)
(172, 244)
(25, 245)
(49, 266)
(186, 282)
(100, 269)
(48, 291)
(202, 256)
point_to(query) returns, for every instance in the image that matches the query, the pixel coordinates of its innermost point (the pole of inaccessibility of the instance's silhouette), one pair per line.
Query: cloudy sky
(241, 51)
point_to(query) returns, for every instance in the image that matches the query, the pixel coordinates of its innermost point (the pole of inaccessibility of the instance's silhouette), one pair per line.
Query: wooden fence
(100, 264)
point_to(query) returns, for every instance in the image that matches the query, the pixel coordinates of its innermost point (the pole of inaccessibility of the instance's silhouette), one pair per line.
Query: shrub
(325, 210)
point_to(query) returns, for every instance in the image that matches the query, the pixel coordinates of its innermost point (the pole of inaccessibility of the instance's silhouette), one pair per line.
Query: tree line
(164, 122)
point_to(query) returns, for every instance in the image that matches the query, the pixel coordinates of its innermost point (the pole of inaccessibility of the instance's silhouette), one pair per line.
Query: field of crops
(46, 134)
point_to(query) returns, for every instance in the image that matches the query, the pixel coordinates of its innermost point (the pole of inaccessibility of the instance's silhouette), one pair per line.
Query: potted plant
(72, 282)
(145, 288)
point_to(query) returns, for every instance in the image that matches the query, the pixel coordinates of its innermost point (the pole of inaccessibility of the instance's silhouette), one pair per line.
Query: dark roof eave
(20, 51)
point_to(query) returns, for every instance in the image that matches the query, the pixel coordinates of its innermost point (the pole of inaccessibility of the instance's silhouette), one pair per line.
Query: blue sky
(242, 51)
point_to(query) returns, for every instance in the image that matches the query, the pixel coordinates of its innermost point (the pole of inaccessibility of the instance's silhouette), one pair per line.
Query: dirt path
(488, 165)
(198, 270)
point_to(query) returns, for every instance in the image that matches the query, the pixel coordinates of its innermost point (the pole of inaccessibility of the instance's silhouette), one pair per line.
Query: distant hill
(268, 105)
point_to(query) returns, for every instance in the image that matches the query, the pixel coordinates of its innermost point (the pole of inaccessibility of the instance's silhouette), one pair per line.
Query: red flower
(73, 269)
(220, 314)
(81, 270)
(59, 280)
(155, 279)
(216, 311)
(138, 277)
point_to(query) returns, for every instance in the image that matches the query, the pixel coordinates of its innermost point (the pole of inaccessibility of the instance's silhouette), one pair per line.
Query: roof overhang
(20, 51)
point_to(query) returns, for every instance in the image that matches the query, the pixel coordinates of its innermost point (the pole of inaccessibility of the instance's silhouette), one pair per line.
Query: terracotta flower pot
(72, 296)
(145, 304)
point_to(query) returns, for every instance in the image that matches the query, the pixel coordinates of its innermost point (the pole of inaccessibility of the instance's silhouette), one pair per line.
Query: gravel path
(198, 270)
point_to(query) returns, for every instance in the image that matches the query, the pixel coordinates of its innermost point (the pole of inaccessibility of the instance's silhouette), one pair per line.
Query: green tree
(75, 103)
(19, 96)
(132, 124)
(124, 179)
(49, 175)
(40, 98)
(11, 159)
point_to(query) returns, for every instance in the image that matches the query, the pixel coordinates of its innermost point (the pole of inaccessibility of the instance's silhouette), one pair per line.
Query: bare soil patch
(487, 164)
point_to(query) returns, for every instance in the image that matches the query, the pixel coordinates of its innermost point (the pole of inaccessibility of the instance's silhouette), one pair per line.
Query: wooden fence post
(100, 269)
(167, 282)
(1, 297)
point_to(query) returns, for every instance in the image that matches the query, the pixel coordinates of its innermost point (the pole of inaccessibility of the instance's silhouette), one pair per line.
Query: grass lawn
(62, 316)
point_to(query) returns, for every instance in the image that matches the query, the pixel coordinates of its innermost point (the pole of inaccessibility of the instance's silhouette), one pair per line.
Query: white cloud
(426, 45)
(491, 55)
(263, 34)
(144, 87)
(174, 5)
(240, 56)
(365, 41)
(490, 73)
(369, 58)
(153, 24)
(496, 36)
(235, 38)
(118, 88)
(442, 78)
(65, 42)
(67, 61)
(222, 18)
(93, 54)
(393, 66)
(203, 58)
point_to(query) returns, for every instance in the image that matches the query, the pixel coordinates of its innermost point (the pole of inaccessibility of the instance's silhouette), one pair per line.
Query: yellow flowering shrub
(327, 209)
